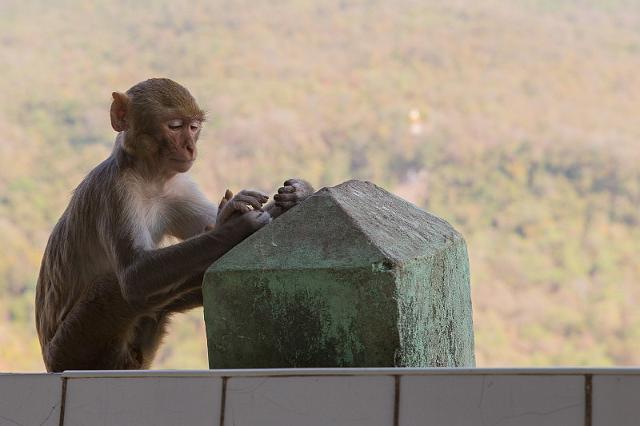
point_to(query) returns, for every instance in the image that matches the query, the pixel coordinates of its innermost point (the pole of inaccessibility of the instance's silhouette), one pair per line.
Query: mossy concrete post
(352, 277)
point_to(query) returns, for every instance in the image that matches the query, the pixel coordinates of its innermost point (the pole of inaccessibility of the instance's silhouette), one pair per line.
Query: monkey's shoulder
(100, 184)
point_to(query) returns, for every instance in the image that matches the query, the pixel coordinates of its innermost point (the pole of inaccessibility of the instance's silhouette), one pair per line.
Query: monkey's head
(161, 121)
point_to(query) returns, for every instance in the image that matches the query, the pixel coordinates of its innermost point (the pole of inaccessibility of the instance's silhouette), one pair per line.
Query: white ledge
(289, 372)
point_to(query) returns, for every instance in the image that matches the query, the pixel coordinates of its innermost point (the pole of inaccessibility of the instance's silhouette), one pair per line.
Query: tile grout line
(63, 400)
(588, 399)
(223, 400)
(396, 401)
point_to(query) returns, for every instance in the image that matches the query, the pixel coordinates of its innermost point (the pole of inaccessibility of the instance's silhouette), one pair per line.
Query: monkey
(107, 287)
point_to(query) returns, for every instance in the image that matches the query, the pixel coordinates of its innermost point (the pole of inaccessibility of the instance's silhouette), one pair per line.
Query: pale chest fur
(148, 217)
(149, 210)
(154, 212)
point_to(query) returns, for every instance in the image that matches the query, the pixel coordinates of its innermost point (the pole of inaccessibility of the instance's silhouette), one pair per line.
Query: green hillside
(525, 136)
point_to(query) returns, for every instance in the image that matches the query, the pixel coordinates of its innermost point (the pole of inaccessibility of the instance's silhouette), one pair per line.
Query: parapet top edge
(303, 372)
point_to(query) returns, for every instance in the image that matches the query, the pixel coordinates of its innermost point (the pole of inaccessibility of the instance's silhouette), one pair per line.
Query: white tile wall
(492, 400)
(30, 399)
(310, 401)
(324, 397)
(144, 401)
(616, 401)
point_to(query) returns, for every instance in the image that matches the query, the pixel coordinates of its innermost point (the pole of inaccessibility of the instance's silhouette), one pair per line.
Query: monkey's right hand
(242, 203)
(234, 230)
(240, 226)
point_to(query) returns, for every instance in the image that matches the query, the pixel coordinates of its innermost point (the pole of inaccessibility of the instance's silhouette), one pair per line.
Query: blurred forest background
(518, 122)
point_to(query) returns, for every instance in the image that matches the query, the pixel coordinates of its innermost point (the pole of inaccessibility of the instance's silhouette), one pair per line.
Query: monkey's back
(75, 255)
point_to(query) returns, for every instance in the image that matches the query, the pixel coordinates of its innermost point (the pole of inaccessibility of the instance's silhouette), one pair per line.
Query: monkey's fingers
(228, 195)
(286, 197)
(255, 194)
(291, 182)
(240, 206)
(227, 208)
(284, 189)
(223, 201)
(254, 202)
(300, 185)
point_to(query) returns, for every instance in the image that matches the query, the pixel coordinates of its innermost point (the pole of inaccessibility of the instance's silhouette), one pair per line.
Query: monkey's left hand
(292, 193)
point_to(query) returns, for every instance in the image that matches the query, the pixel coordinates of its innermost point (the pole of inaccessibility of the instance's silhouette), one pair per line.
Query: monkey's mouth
(182, 160)
(180, 165)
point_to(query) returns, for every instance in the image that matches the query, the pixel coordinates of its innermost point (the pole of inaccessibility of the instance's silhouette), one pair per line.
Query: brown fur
(106, 289)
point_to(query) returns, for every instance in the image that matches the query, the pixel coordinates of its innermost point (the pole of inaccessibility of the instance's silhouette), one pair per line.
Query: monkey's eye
(175, 124)
(195, 125)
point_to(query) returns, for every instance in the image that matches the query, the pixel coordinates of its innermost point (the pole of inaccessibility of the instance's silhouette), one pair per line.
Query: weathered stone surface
(353, 277)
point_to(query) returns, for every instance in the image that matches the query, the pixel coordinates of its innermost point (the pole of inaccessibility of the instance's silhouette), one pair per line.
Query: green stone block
(352, 277)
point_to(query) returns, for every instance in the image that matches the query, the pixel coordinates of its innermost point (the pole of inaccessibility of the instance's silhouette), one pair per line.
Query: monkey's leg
(149, 331)
(92, 333)
(103, 332)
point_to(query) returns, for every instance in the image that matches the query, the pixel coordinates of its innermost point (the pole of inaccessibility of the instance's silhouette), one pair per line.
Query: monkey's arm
(187, 223)
(189, 299)
(191, 213)
(144, 274)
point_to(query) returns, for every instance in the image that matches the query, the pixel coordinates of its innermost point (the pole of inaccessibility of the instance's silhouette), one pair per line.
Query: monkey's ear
(119, 108)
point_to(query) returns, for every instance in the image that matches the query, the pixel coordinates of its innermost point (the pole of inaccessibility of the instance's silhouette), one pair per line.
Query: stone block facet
(352, 277)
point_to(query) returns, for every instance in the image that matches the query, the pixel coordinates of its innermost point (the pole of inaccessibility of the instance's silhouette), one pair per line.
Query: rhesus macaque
(106, 290)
